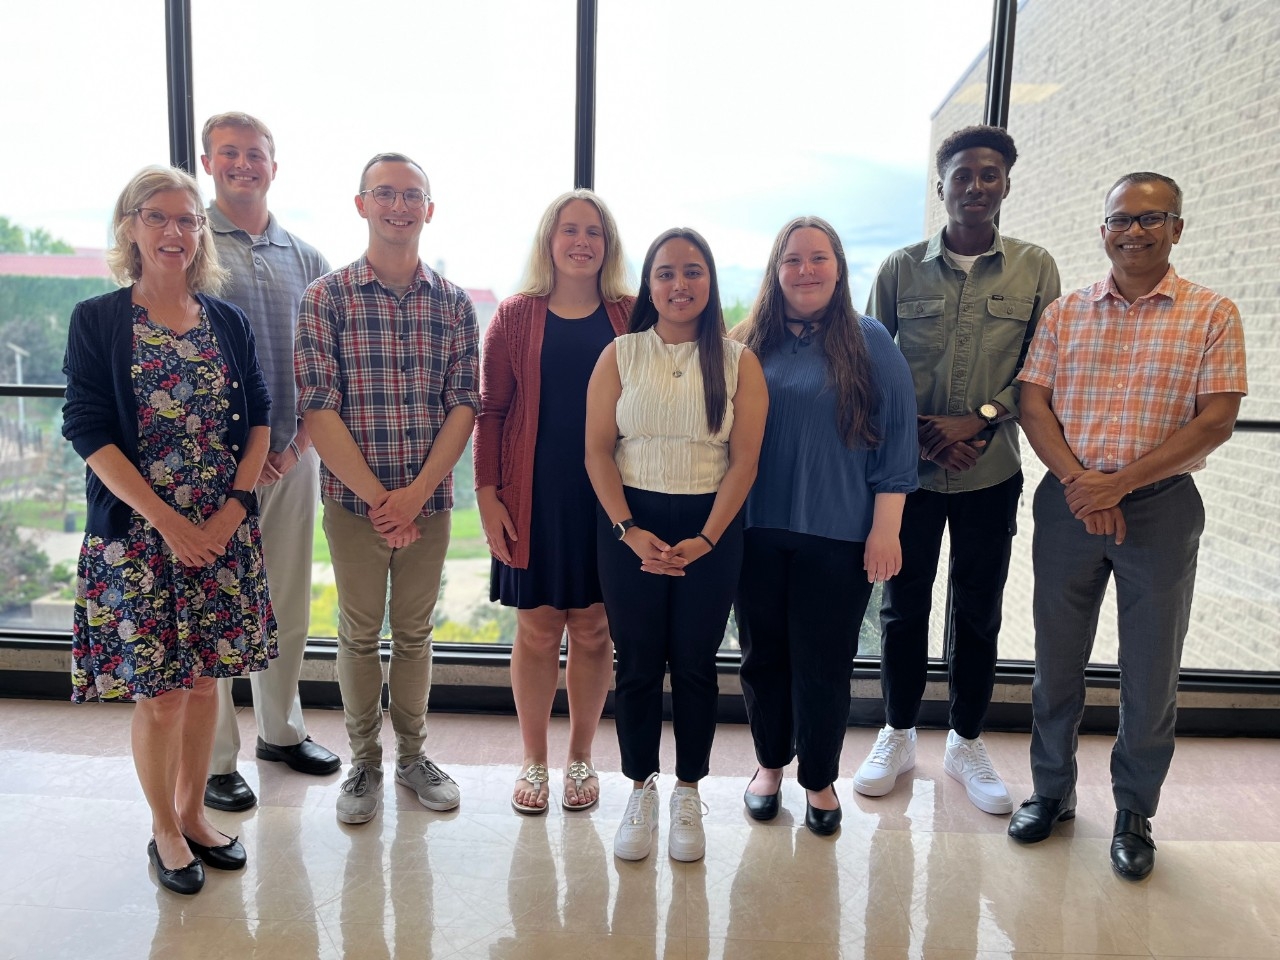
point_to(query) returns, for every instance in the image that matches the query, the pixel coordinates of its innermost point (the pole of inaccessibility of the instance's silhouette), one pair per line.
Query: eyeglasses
(1148, 221)
(187, 222)
(386, 197)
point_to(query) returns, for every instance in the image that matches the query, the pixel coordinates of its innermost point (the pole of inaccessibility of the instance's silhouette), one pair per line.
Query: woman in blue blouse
(839, 458)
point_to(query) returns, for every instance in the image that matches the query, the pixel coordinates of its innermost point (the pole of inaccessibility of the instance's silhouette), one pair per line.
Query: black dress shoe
(305, 757)
(185, 880)
(1035, 819)
(228, 791)
(1133, 853)
(761, 807)
(229, 856)
(822, 822)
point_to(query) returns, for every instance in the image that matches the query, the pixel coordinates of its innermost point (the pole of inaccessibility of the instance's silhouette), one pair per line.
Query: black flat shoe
(1133, 853)
(229, 856)
(305, 757)
(1035, 819)
(228, 791)
(822, 822)
(761, 807)
(186, 880)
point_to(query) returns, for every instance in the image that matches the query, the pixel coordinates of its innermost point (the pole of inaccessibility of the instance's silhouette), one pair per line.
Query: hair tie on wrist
(710, 542)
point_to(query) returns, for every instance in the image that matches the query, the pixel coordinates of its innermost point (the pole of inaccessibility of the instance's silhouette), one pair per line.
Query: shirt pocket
(920, 325)
(1006, 326)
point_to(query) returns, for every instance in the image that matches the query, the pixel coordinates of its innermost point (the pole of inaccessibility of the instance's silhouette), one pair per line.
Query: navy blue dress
(562, 534)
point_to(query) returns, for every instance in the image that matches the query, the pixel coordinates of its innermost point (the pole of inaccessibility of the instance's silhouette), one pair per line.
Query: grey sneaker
(634, 838)
(893, 753)
(361, 794)
(687, 840)
(435, 788)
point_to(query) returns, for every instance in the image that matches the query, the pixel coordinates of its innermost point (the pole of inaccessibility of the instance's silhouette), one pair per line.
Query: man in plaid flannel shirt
(1129, 384)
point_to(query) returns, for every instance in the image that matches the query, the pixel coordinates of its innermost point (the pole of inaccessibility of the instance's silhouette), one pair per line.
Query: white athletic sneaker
(687, 841)
(967, 761)
(894, 753)
(634, 838)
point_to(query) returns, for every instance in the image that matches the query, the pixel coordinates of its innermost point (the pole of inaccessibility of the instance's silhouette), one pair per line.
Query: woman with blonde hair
(536, 503)
(167, 404)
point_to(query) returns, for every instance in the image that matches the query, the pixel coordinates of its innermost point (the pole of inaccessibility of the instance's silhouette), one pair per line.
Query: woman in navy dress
(167, 404)
(536, 503)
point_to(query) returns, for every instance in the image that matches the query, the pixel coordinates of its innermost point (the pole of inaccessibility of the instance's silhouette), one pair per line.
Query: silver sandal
(578, 772)
(536, 776)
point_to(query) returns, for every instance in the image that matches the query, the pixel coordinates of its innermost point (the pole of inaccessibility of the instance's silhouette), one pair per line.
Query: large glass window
(732, 118)
(482, 95)
(1199, 104)
(74, 137)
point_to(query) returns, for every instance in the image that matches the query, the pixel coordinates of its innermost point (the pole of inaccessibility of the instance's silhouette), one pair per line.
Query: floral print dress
(144, 622)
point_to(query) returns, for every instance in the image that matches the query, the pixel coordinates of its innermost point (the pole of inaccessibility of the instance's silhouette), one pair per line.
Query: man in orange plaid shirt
(1128, 386)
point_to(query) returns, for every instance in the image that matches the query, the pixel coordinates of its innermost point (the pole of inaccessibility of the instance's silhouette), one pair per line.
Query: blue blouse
(809, 481)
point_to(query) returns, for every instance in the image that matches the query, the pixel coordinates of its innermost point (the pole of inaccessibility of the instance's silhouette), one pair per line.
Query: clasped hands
(661, 558)
(949, 441)
(1094, 499)
(394, 516)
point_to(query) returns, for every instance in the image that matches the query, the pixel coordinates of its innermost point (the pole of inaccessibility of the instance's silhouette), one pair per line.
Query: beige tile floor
(917, 874)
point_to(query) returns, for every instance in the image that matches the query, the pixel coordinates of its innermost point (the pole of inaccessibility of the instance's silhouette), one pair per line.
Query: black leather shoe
(822, 822)
(185, 880)
(1035, 819)
(760, 807)
(1133, 854)
(228, 791)
(229, 856)
(305, 757)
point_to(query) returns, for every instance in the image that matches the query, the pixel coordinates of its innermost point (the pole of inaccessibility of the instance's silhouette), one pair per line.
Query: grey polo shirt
(268, 276)
(965, 337)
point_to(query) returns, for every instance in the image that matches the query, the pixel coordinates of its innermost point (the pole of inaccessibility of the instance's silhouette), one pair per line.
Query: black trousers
(801, 599)
(658, 622)
(982, 524)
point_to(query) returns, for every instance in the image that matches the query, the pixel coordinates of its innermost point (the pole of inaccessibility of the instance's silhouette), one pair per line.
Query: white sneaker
(967, 761)
(361, 794)
(634, 838)
(435, 788)
(894, 753)
(687, 841)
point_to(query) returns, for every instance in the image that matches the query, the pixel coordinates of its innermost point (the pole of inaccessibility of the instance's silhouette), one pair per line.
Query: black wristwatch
(621, 527)
(247, 499)
(990, 413)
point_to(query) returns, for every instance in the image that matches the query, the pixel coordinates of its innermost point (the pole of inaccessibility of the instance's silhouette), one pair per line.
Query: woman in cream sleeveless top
(675, 417)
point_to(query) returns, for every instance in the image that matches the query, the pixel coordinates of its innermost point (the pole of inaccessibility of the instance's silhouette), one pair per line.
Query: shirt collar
(362, 274)
(936, 246)
(274, 233)
(1166, 288)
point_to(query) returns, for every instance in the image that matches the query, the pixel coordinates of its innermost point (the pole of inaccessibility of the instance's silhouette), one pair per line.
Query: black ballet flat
(229, 856)
(762, 807)
(822, 822)
(186, 880)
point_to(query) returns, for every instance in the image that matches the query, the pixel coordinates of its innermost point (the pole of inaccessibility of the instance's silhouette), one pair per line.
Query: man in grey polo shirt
(963, 306)
(270, 268)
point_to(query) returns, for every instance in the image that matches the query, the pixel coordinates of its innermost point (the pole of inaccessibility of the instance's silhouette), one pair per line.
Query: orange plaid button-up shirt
(1125, 376)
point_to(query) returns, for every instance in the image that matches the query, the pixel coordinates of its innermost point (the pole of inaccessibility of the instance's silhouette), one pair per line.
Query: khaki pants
(286, 517)
(362, 566)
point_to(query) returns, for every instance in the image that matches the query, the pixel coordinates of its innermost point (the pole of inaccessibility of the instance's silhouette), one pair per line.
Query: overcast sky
(730, 117)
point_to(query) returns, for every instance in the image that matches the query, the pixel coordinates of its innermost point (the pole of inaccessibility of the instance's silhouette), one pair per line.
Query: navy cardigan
(100, 406)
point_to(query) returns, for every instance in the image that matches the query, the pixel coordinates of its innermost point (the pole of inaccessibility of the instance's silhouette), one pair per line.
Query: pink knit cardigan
(510, 384)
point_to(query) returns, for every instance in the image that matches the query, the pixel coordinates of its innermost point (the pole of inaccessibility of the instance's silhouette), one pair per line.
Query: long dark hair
(848, 364)
(711, 330)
